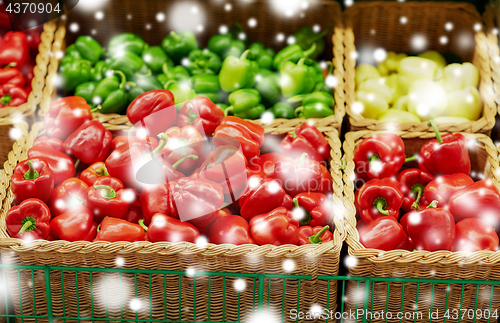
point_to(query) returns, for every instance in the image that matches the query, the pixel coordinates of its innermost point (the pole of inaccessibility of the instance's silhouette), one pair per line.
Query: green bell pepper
(225, 46)
(283, 110)
(72, 51)
(306, 37)
(182, 92)
(126, 42)
(314, 105)
(297, 78)
(74, 73)
(222, 106)
(203, 61)
(291, 53)
(205, 83)
(89, 48)
(127, 62)
(242, 101)
(264, 56)
(111, 94)
(154, 57)
(179, 45)
(133, 93)
(85, 91)
(252, 113)
(268, 86)
(178, 73)
(147, 82)
(238, 73)
(97, 72)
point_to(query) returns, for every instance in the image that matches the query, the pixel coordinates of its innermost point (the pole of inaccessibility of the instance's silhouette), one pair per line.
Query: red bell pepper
(379, 156)
(412, 182)
(33, 36)
(93, 173)
(316, 235)
(90, 143)
(90, 236)
(264, 163)
(431, 229)
(249, 135)
(60, 164)
(301, 175)
(74, 225)
(166, 228)
(380, 198)
(182, 143)
(274, 228)
(446, 154)
(479, 200)
(202, 113)
(326, 185)
(12, 95)
(134, 212)
(114, 230)
(157, 199)
(12, 75)
(45, 141)
(475, 235)
(69, 194)
(231, 229)
(384, 233)
(4, 17)
(29, 220)
(119, 141)
(306, 139)
(262, 195)
(108, 197)
(443, 187)
(65, 115)
(153, 110)
(14, 48)
(317, 209)
(32, 178)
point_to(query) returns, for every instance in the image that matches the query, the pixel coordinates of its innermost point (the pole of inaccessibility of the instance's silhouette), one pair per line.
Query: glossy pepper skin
(108, 197)
(264, 163)
(317, 104)
(166, 228)
(176, 73)
(475, 235)
(300, 175)
(379, 156)
(238, 73)
(157, 199)
(74, 72)
(68, 195)
(114, 230)
(443, 187)
(446, 154)
(314, 235)
(413, 182)
(93, 173)
(110, 93)
(127, 42)
(29, 220)
(283, 110)
(306, 138)
(380, 198)
(227, 45)
(202, 113)
(155, 57)
(12, 75)
(244, 104)
(317, 209)
(65, 115)
(264, 56)
(183, 148)
(384, 233)
(119, 141)
(179, 45)
(274, 228)
(262, 195)
(45, 141)
(126, 62)
(207, 85)
(268, 85)
(305, 37)
(230, 229)
(85, 91)
(145, 109)
(479, 200)
(297, 78)
(12, 95)
(90, 143)
(249, 135)
(292, 53)
(60, 164)
(73, 225)
(32, 178)
(203, 61)
(14, 48)
(89, 48)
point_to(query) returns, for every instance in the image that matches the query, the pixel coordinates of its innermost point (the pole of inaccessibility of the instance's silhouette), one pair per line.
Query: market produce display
(198, 173)
(244, 79)
(437, 206)
(418, 88)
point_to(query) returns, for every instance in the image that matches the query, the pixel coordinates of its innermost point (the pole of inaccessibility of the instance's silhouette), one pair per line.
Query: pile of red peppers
(205, 175)
(436, 206)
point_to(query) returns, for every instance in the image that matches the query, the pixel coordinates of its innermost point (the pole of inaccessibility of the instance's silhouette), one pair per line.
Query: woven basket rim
(348, 226)
(20, 153)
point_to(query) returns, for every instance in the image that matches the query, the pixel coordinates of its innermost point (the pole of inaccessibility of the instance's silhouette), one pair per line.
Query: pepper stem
(141, 223)
(190, 114)
(432, 124)
(183, 159)
(381, 203)
(228, 109)
(168, 83)
(123, 78)
(316, 239)
(296, 98)
(330, 69)
(102, 171)
(164, 68)
(245, 54)
(301, 160)
(432, 205)
(373, 158)
(106, 191)
(301, 61)
(97, 108)
(311, 50)
(10, 65)
(163, 142)
(77, 163)
(294, 135)
(298, 112)
(29, 224)
(321, 34)
(418, 189)
(4, 100)
(343, 164)
(31, 173)
(410, 159)
(307, 219)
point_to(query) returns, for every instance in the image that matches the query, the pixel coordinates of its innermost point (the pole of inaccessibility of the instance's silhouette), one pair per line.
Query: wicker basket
(482, 265)
(19, 117)
(370, 25)
(311, 260)
(325, 13)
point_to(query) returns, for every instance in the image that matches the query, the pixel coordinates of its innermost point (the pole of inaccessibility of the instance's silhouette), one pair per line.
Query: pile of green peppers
(244, 79)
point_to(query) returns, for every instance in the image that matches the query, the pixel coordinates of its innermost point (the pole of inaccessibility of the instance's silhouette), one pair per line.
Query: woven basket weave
(371, 25)
(309, 260)
(269, 25)
(482, 265)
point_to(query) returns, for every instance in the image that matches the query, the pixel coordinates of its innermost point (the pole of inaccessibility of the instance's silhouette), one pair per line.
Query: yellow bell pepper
(427, 100)
(412, 69)
(401, 103)
(365, 72)
(458, 76)
(393, 115)
(377, 86)
(435, 57)
(373, 104)
(465, 103)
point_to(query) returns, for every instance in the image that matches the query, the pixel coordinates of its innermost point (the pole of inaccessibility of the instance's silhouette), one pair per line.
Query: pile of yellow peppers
(418, 88)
